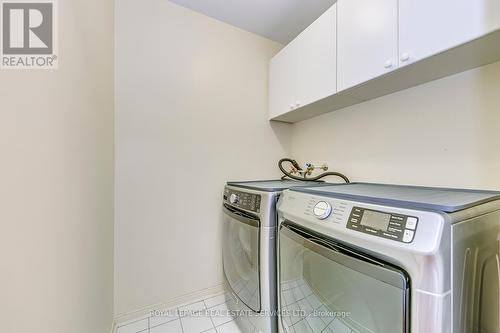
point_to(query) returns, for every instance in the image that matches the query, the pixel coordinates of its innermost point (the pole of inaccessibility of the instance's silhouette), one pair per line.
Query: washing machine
(361, 258)
(249, 250)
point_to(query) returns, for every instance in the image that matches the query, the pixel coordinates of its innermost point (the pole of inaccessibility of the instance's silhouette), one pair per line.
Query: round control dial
(234, 198)
(322, 210)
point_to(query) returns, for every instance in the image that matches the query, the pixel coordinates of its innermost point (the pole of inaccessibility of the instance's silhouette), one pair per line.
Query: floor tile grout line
(180, 321)
(208, 330)
(168, 321)
(209, 316)
(216, 330)
(227, 322)
(206, 308)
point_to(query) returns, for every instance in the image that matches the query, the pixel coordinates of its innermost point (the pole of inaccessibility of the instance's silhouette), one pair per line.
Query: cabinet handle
(291, 106)
(297, 104)
(405, 57)
(388, 64)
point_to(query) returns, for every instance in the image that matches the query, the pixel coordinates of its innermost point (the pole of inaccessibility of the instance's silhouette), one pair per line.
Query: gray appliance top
(413, 197)
(274, 185)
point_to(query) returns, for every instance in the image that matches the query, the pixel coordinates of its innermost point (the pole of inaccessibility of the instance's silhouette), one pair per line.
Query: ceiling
(279, 20)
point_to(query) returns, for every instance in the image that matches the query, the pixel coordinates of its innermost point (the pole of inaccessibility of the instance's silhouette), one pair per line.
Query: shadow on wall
(486, 91)
(283, 132)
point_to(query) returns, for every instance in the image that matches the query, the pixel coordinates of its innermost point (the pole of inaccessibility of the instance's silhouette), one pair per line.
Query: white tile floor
(306, 314)
(208, 316)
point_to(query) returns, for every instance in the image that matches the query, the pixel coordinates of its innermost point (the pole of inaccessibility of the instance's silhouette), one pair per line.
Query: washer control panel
(243, 200)
(322, 210)
(397, 227)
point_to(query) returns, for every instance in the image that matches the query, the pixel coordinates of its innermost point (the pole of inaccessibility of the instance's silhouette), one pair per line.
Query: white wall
(56, 176)
(191, 100)
(443, 133)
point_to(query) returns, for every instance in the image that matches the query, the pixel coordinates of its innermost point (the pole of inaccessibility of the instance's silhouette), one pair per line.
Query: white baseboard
(195, 296)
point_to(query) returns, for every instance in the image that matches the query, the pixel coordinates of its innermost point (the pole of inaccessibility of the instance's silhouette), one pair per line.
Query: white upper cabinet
(317, 66)
(367, 40)
(305, 70)
(341, 58)
(427, 27)
(283, 76)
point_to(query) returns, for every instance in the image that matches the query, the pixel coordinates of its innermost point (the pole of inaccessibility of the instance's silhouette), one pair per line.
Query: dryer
(361, 258)
(249, 250)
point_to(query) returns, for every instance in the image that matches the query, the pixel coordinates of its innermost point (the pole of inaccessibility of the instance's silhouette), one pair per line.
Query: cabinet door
(428, 27)
(283, 80)
(367, 40)
(317, 63)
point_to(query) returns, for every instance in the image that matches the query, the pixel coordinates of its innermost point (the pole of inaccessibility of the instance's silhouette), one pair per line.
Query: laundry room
(181, 166)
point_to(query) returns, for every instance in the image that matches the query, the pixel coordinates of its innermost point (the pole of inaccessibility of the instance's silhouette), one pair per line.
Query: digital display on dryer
(376, 220)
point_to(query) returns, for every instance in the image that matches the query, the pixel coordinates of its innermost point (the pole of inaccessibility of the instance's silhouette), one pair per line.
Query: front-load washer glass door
(240, 252)
(328, 287)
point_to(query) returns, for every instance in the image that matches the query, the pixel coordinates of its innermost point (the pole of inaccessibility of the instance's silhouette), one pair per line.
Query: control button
(411, 223)
(373, 231)
(322, 210)
(390, 235)
(408, 236)
(234, 198)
